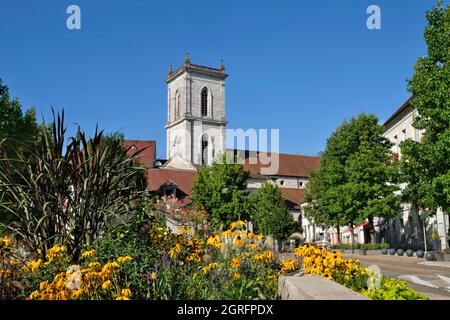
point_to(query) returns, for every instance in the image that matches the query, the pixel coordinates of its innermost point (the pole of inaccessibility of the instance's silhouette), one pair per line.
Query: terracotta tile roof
(183, 179)
(290, 165)
(148, 156)
(293, 197)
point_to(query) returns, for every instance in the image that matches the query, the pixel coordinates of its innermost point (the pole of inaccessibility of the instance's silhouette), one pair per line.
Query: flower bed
(351, 274)
(152, 263)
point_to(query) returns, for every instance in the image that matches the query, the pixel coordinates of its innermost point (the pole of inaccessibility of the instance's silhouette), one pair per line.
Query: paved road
(429, 278)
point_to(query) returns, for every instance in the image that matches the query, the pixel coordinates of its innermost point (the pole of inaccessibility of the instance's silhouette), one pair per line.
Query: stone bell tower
(196, 121)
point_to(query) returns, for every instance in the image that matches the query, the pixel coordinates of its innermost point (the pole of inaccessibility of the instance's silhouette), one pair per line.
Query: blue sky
(300, 66)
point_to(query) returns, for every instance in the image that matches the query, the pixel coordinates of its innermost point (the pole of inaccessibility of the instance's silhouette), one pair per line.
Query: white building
(409, 228)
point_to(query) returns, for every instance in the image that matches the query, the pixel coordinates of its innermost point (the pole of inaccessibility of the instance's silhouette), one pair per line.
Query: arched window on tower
(213, 150)
(204, 102)
(205, 150)
(178, 104)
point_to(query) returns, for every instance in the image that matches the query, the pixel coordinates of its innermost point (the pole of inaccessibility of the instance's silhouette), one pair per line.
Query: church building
(196, 134)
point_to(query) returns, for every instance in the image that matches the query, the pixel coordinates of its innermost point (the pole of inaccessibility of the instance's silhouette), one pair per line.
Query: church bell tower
(196, 121)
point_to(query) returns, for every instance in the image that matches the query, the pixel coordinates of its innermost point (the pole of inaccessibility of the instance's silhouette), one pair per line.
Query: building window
(213, 150)
(178, 105)
(205, 150)
(204, 102)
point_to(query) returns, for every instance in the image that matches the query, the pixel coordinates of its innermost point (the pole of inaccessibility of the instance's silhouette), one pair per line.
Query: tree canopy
(220, 190)
(269, 212)
(356, 178)
(14, 124)
(426, 163)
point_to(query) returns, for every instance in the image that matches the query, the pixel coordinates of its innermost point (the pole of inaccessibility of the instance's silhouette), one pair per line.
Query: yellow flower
(126, 292)
(77, 293)
(94, 265)
(33, 265)
(268, 255)
(236, 263)
(214, 241)
(107, 285)
(252, 245)
(108, 267)
(88, 254)
(238, 242)
(122, 298)
(185, 230)
(227, 233)
(210, 266)
(237, 225)
(34, 295)
(236, 276)
(43, 285)
(152, 276)
(6, 241)
(55, 253)
(175, 250)
(288, 265)
(124, 259)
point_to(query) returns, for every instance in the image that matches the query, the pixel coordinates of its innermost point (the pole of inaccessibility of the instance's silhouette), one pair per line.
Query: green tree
(357, 177)
(269, 212)
(14, 124)
(425, 164)
(220, 190)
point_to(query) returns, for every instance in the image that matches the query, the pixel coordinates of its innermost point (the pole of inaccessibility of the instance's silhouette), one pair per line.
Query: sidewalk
(444, 264)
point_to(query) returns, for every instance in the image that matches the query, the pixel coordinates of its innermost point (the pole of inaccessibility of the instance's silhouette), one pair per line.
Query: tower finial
(170, 69)
(186, 59)
(222, 65)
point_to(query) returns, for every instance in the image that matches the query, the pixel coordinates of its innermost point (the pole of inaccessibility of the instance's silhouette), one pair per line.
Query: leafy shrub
(367, 246)
(68, 193)
(392, 289)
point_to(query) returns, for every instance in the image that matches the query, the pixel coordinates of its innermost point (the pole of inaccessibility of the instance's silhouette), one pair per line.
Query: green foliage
(426, 164)
(392, 289)
(14, 124)
(67, 195)
(269, 212)
(220, 190)
(435, 235)
(367, 246)
(356, 178)
(131, 238)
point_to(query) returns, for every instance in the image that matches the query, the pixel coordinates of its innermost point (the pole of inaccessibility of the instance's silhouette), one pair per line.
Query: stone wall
(298, 286)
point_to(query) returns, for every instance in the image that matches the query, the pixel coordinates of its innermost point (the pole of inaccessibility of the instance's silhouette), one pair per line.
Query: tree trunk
(338, 235)
(353, 237)
(371, 231)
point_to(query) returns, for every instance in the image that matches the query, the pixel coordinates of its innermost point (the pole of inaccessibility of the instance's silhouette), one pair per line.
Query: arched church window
(204, 102)
(178, 104)
(213, 150)
(204, 150)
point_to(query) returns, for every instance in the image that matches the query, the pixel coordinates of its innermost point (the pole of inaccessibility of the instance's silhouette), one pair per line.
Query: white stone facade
(409, 228)
(196, 123)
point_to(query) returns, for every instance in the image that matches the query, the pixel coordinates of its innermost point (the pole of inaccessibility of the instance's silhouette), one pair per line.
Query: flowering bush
(351, 274)
(173, 208)
(146, 261)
